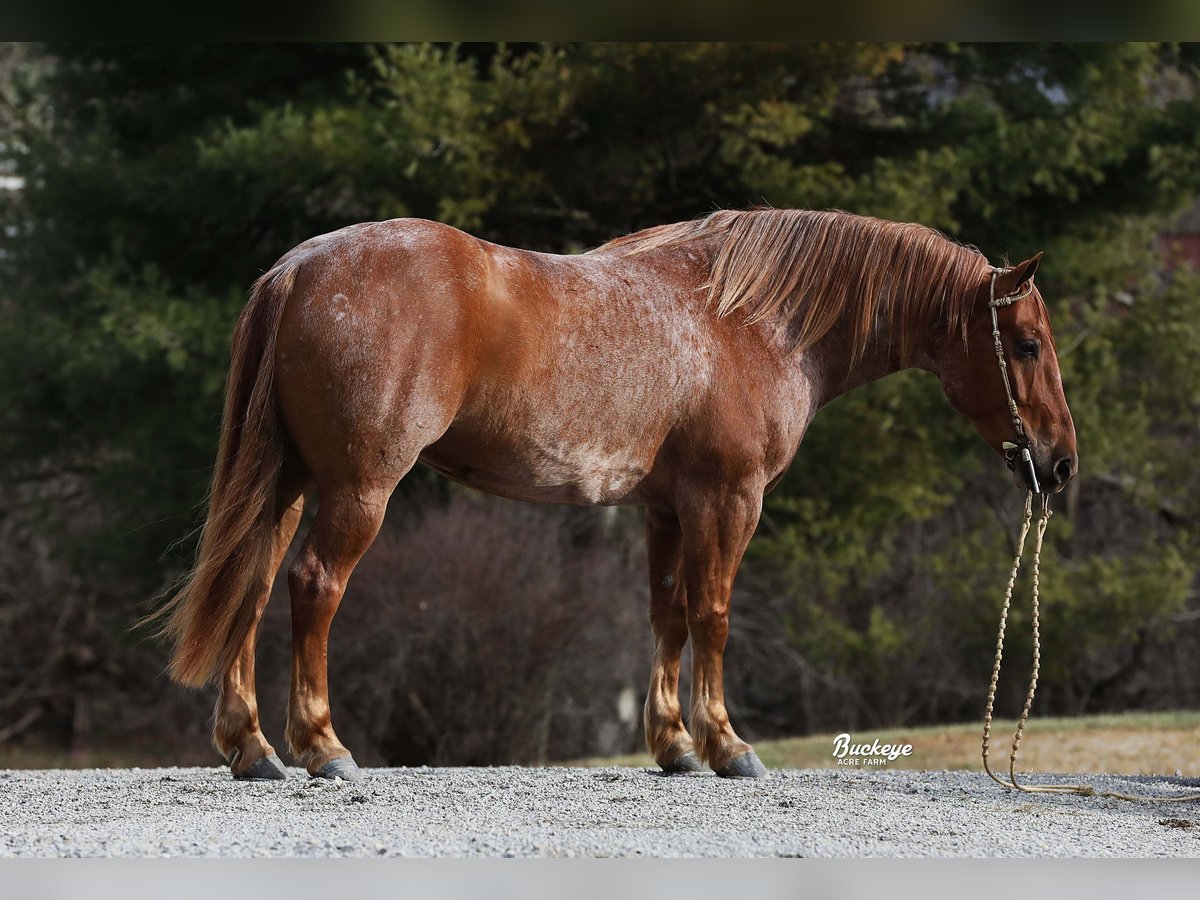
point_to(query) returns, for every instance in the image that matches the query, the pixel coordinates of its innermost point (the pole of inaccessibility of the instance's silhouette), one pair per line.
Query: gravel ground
(577, 812)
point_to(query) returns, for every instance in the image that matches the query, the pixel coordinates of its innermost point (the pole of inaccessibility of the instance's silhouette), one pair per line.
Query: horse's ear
(1009, 282)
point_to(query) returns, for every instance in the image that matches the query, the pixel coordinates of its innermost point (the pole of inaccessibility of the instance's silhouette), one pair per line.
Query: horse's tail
(210, 613)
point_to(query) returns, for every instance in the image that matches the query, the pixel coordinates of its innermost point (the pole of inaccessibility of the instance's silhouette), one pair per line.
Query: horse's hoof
(686, 763)
(343, 767)
(269, 768)
(748, 765)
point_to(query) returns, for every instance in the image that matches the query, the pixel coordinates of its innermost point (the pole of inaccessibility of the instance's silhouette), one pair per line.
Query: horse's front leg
(666, 737)
(717, 527)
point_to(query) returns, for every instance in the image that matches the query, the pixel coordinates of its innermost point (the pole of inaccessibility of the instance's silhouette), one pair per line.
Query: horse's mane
(813, 268)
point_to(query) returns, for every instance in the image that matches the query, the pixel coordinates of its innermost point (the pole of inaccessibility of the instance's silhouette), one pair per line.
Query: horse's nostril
(1063, 470)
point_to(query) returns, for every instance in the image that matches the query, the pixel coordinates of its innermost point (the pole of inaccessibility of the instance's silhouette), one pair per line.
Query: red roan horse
(676, 369)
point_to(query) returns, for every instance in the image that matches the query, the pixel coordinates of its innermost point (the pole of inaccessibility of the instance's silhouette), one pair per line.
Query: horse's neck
(832, 372)
(827, 369)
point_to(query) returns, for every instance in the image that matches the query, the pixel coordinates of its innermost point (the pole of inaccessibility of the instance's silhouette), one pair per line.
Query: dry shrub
(76, 687)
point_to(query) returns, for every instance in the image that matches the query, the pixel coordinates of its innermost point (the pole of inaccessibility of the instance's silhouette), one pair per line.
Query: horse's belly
(540, 471)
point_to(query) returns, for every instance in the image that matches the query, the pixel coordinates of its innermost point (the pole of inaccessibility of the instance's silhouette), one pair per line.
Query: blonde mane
(814, 268)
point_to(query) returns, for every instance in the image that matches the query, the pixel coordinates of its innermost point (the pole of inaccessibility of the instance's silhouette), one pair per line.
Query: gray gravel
(576, 812)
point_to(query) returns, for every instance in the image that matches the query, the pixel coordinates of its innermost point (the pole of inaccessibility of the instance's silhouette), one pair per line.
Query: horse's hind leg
(237, 734)
(666, 736)
(345, 525)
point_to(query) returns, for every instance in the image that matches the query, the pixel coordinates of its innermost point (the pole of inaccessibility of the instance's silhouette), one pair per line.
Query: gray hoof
(269, 768)
(686, 763)
(748, 765)
(343, 767)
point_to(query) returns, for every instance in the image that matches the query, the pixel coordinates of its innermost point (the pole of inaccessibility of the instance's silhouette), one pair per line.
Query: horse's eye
(1028, 348)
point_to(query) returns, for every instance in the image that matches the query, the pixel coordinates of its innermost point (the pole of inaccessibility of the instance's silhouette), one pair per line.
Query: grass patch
(1126, 743)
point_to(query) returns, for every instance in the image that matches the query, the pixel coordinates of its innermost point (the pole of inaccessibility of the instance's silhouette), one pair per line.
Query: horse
(675, 368)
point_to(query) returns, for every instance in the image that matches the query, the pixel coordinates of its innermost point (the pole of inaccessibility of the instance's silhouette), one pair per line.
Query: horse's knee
(708, 628)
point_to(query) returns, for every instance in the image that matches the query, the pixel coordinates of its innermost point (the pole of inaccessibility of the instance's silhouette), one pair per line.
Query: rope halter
(1013, 451)
(1018, 449)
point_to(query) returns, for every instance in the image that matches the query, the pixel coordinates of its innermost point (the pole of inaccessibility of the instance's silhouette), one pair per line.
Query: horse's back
(586, 364)
(526, 374)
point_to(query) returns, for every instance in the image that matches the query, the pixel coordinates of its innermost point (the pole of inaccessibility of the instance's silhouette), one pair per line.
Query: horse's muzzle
(1030, 473)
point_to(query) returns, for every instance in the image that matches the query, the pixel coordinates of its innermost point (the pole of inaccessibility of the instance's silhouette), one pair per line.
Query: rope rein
(1080, 788)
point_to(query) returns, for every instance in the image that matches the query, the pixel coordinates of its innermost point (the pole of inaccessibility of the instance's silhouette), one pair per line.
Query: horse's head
(973, 381)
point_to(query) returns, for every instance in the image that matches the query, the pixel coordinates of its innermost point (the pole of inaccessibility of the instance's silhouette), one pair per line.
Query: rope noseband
(1013, 451)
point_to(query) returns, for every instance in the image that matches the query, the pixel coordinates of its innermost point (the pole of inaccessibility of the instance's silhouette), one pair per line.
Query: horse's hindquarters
(373, 360)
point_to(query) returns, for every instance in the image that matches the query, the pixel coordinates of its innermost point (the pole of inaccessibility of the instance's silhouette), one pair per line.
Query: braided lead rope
(999, 656)
(1081, 788)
